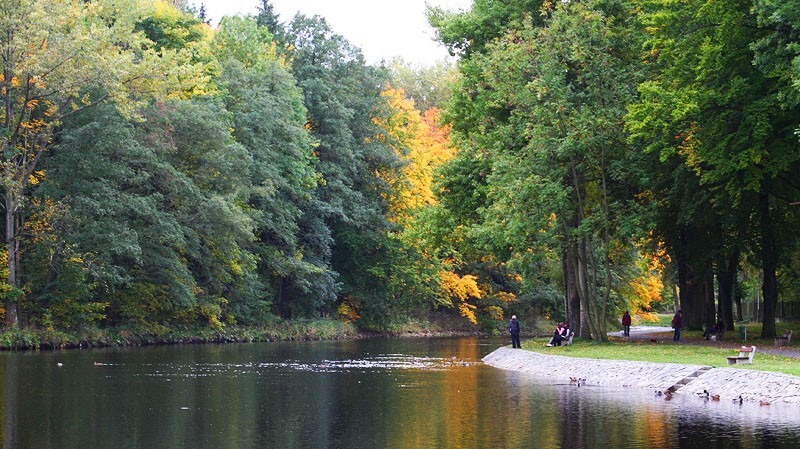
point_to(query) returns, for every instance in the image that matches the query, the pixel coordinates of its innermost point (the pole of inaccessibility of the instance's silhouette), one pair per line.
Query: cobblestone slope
(728, 383)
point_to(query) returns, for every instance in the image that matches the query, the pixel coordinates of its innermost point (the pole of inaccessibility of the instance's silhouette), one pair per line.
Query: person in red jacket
(626, 324)
(677, 323)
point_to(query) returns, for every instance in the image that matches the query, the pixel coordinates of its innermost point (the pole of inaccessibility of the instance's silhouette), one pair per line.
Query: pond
(376, 393)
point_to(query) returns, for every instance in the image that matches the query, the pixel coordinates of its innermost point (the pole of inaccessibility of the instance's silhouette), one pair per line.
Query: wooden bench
(785, 339)
(745, 356)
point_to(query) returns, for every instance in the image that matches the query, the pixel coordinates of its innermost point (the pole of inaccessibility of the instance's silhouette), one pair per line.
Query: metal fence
(785, 311)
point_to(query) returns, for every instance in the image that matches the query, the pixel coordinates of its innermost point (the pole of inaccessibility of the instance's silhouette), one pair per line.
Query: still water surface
(379, 393)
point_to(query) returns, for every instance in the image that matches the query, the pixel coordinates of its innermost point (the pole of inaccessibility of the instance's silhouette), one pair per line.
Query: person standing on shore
(626, 324)
(677, 321)
(513, 328)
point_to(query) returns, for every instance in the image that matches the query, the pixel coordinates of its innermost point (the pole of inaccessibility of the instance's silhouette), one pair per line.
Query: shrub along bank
(16, 338)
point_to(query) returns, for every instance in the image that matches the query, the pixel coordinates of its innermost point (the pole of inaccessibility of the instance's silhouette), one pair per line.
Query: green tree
(269, 120)
(342, 95)
(727, 119)
(538, 121)
(61, 57)
(152, 217)
(429, 87)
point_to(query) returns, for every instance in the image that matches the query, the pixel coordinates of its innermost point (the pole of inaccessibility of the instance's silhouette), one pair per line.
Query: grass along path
(688, 354)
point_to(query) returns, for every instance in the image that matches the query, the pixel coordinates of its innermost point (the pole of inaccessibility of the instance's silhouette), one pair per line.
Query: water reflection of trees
(228, 396)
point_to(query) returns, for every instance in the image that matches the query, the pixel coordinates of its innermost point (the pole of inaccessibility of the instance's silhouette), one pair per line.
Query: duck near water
(666, 393)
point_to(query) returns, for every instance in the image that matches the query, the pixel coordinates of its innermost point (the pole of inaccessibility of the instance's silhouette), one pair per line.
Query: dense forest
(579, 159)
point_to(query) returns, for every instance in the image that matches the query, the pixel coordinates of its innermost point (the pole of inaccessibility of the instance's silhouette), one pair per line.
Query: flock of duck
(667, 394)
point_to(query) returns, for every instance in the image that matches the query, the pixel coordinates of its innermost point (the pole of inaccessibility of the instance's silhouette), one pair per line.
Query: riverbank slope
(728, 383)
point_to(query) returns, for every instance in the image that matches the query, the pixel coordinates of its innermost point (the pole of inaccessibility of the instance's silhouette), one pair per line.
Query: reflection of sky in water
(379, 393)
(377, 363)
(687, 408)
(685, 420)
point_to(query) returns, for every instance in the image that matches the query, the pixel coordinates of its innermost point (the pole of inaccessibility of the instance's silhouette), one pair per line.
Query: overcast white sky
(382, 29)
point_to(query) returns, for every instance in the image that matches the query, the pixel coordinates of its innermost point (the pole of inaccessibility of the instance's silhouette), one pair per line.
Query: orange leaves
(645, 288)
(39, 225)
(506, 297)
(421, 143)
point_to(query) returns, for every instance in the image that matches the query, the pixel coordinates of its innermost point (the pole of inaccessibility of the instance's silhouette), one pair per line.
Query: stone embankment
(728, 383)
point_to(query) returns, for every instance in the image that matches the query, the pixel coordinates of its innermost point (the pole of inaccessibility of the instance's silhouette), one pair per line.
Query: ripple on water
(381, 362)
(375, 363)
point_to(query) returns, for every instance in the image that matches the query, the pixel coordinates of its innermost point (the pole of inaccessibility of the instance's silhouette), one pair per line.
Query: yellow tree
(423, 145)
(642, 288)
(58, 57)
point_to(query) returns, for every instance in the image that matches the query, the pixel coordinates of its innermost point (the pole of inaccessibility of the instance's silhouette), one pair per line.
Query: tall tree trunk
(709, 304)
(572, 301)
(726, 279)
(692, 279)
(585, 291)
(11, 251)
(769, 266)
(737, 299)
(586, 272)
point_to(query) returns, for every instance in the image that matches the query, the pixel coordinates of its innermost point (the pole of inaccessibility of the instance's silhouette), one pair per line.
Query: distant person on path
(626, 324)
(677, 322)
(513, 328)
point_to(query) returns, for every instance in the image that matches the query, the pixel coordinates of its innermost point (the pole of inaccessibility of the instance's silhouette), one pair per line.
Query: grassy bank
(645, 351)
(28, 338)
(22, 338)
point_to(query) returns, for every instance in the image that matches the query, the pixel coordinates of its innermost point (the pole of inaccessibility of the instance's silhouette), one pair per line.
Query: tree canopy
(579, 159)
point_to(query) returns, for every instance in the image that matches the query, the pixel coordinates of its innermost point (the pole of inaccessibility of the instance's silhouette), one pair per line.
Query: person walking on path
(677, 321)
(626, 324)
(513, 328)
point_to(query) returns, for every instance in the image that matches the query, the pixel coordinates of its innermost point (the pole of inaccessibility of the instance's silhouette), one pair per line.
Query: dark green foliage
(341, 94)
(719, 108)
(153, 212)
(172, 31)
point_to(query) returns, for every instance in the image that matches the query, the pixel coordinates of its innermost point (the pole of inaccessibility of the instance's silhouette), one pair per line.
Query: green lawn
(664, 319)
(646, 351)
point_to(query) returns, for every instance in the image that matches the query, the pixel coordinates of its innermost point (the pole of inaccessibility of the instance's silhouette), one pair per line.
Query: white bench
(785, 339)
(568, 340)
(745, 356)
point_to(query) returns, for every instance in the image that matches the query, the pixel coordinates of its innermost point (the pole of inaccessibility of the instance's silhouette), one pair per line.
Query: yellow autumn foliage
(461, 288)
(645, 289)
(421, 143)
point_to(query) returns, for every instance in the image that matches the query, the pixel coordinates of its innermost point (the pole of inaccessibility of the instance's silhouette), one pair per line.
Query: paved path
(664, 335)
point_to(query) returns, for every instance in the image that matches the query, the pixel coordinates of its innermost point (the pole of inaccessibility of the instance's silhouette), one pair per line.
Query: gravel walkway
(664, 335)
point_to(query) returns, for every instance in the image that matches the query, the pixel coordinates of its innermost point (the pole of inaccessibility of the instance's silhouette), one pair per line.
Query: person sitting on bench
(558, 335)
(718, 329)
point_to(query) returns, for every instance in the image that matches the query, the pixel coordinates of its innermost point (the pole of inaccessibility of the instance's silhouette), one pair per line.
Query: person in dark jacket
(513, 328)
(558, 335)
(717, 329)
(677, 322)
(626, 324)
